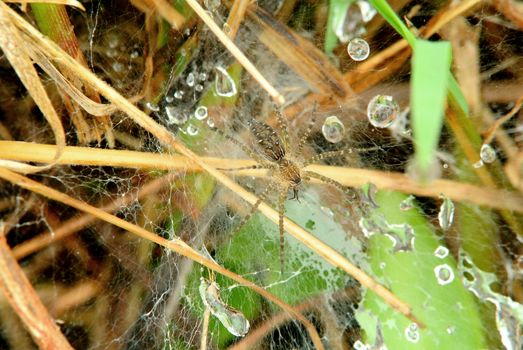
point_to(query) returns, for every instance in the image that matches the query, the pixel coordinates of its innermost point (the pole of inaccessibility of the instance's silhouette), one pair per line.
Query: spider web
(110, 290)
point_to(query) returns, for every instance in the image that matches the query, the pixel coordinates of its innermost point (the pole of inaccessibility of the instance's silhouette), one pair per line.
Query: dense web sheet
(457, 264)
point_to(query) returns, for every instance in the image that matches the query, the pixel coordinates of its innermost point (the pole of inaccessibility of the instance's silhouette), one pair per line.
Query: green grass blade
(390, 16)
(337, 13)
(430, 77)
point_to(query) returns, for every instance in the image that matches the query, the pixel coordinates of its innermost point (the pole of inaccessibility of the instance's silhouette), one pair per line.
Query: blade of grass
(430, 76)
(337, 14)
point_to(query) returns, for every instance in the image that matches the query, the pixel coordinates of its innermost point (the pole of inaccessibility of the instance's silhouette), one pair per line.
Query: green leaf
(448, 310)
(430, 76)
(390, 16)
(337, 14)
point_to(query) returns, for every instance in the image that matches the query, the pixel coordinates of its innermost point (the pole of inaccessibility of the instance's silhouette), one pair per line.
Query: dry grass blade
(300, 55)
(352, 177)
(163, 135)
(169, 13)
(25, 301)
(175, 245)
(236, 16)
(235, 51)
(72, 3)
(13, 47)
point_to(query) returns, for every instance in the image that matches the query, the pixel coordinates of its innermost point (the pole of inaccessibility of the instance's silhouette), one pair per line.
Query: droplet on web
(169, 99)
(198, 87)
(358, 49)
(153, 107)
(223, 83)
(178, 95)
(174, 117)
(487, 153)
(412, 333)
(333, 129)
(441, 252)
(407, 203)
(478, 164)
(444, 274)
(192, 130)
(446, 213)
(190, 79)
(210, 123)
(202, 77)
(233, 320)
(200, 113)
(382, 110)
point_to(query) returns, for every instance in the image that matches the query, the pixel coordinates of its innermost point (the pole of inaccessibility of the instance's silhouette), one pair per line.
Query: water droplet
(152, 107)
(407, 203)
(202, 77)
(487, 153)
(441, 252)
(200, 113)
(358, 49)
(383, 265)
(333, 129)
(446, 213)
(232, 319)
(210, 123)
(327, 211)
(111, 53)
(444, 274)
(174, 117)
(169, 99)
(226, 28)
(187, 32)
(223, 83)
(382, 110)
(359, 345)
(367, 11)
(135, 54)
(190, 79)
(451, 329)
(118, 67)
(412, 333)
(178, 94)
(198, 87)
(192, 130)
(478, 164)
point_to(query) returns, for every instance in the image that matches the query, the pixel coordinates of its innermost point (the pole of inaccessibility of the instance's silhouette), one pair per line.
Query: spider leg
(255, 166)
(327, 155)
(243, 147)
(350, 192)
(307, 132)
(281, 211)
(283, 125)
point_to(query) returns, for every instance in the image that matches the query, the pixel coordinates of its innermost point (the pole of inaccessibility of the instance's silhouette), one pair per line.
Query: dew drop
(210, 123)
(192, 130)
(200, 113)
(135, 54)
(478, 164)
(382, 110)
(412, 333)
(223, 83)
(226, 28)
(118, 67)
(441, 252)
(446, 214)
(358, 49)
(333, 129)
(198, 87)
(202, 76)
(451, 329)
(233, 320)
(178, 95)
(190, 79)
(444, 274)
(359, 345)
(407, 203)
(169, 99)
(487, 153)
(174, 117)
(327, 211)
(152, 107)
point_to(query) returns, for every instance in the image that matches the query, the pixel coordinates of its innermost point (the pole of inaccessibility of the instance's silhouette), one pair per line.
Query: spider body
(284, 173)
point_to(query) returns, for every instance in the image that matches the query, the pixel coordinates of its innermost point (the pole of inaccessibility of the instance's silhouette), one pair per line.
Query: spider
(286, 172)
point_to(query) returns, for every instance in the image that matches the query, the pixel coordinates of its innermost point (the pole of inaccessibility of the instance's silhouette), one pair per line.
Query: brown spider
(284, 168)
